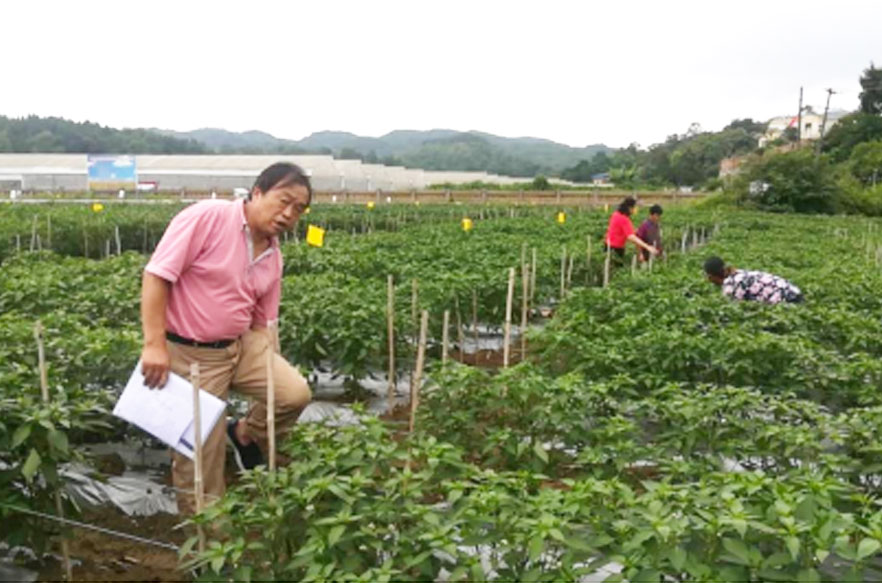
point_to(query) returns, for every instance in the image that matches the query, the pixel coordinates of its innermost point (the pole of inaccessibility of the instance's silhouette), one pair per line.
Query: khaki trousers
(242, 366)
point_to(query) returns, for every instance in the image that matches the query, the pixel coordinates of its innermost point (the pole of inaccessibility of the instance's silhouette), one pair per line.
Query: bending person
(755, 286)
(209, 292)
(621, 230)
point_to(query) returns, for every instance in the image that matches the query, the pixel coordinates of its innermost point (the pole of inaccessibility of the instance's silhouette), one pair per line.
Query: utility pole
(799, 120)
(830, 92)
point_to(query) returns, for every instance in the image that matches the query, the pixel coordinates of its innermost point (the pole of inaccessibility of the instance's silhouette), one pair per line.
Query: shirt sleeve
(183, 240)
(267, 308)
(643, 232)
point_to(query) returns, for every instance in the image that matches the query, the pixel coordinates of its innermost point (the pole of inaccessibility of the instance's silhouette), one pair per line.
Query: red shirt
(620, 228)
(218, 289)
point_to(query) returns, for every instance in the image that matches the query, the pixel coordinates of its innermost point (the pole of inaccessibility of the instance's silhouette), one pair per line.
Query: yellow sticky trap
(306, 212)
(606, 207)
(636, 209)
(315, 236)
(370, 204)
(561, 218)
(467, 224)
(97, 207)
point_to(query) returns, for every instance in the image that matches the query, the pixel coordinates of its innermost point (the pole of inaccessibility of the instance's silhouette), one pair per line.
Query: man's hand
(653, 250)
(155, 364)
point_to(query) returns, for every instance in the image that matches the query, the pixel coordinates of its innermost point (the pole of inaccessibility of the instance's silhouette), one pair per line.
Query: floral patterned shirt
(760, 286)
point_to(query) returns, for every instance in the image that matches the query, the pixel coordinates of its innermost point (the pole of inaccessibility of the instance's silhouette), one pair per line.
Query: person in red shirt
(621, 230)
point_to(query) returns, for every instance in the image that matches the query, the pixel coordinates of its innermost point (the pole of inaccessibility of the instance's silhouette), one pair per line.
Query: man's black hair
(280, 175)
(627, 204)
(715, 266)
(655, 209)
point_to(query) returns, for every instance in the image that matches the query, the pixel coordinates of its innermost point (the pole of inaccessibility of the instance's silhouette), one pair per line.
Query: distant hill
(437, 149)
(56, 135)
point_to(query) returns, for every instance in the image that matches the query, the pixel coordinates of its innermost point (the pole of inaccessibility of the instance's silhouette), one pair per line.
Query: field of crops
(653, 431)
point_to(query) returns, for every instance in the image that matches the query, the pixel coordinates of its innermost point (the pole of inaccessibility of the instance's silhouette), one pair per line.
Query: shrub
(796, 181)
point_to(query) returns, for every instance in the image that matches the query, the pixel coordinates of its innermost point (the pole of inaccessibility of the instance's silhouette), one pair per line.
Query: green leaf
(738, 550)
(540, 451)
(335, 534)
(808, 576)
(793, 546)
(217, 563)
(867, 547)
(58, 440)
(647, 576)
(537, 545)
(21, 434)
(31, 465)
(678, 558)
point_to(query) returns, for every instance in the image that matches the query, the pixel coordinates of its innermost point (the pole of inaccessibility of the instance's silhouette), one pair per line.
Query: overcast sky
(575, 72)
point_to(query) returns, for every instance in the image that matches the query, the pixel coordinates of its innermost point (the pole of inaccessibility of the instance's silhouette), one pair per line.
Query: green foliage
(540, 183)
(795, 181)
(865, 162)
(871, 91)
(850, 131)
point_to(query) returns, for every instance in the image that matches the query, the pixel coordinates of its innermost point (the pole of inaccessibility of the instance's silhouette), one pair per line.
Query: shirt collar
(274, 242)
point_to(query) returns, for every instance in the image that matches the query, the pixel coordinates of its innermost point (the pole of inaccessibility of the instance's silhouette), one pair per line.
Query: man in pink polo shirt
(209, 291)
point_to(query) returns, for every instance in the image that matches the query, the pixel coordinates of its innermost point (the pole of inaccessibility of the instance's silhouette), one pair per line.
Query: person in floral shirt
(756, 286)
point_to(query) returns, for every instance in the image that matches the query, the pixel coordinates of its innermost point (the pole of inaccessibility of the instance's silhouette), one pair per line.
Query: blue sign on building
(111, 171)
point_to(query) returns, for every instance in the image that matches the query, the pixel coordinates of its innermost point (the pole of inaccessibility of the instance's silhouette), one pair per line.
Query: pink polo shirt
(218, 291)
(620, 228)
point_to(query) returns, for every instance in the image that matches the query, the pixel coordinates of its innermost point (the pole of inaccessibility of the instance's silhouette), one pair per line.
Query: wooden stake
(270, 400)
(444, 336)
(634, 264)
(418, 373)
(683, 241)
(49, 231)
(118, 242)
(460, 334)
(506, 348)
(44, 390)
(390, 331)
(198, 489)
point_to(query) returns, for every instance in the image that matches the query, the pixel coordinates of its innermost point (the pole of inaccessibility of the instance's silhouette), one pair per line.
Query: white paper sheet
(167, 413)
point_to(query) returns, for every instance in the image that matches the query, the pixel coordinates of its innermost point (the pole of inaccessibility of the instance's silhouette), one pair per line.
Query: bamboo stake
(570, 273)
(606, 267)
(475, 320)
(533, 278)
(563, 272)
(49, 231)
(588, 260)
(390, 330)
(634, 264)
(44, 390)
(460, 334)
(270, 400)
(18, 242)
(414, 310)
(683, 241)
(106, 247)
(418, 373)
(118, 242)
(506, 349)
(445, 336)
(525, 283)
(198, 488)
(34, 234)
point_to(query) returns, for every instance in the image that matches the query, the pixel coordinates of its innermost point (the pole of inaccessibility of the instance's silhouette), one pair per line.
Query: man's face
(654, 218)
(278, 209)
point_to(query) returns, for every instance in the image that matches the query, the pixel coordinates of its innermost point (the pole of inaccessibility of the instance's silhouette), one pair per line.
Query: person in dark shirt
(650, 231)
(756, 286)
